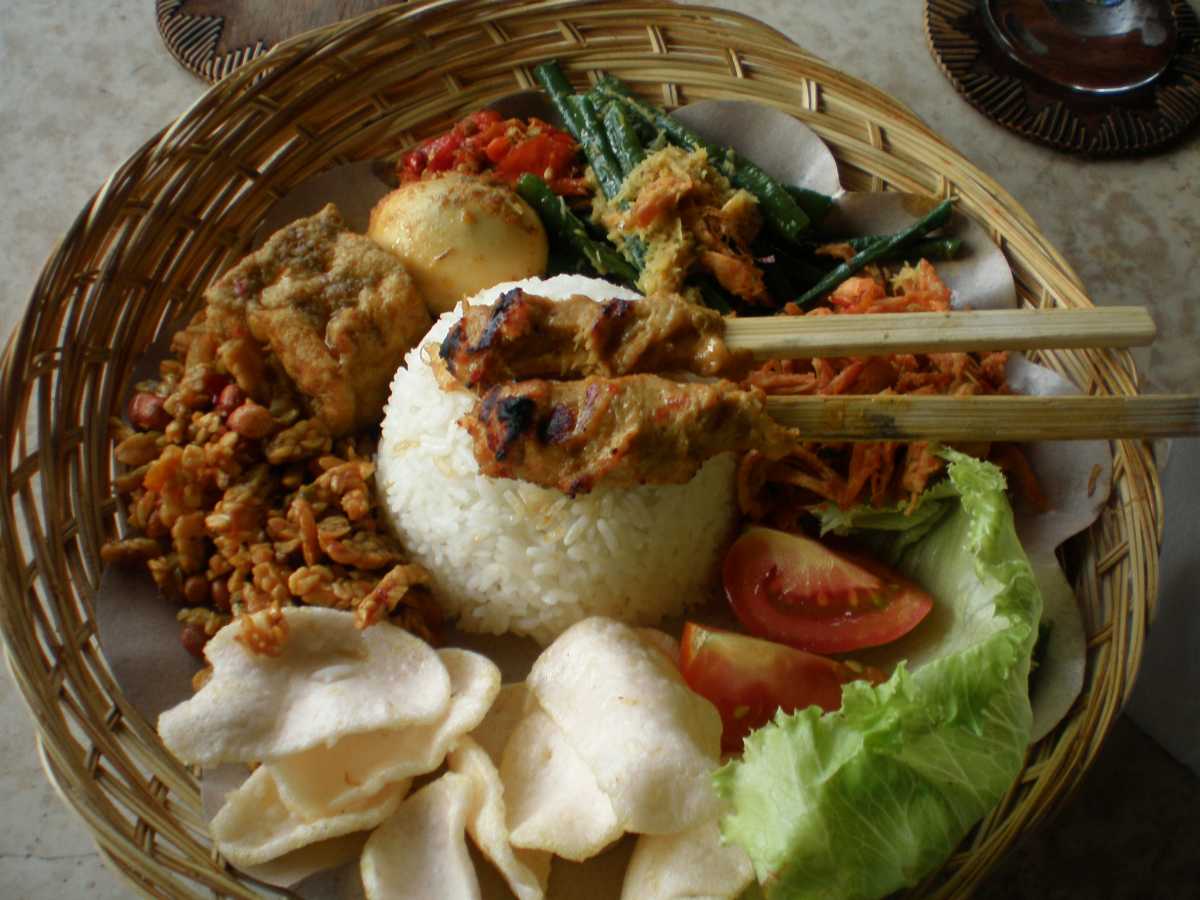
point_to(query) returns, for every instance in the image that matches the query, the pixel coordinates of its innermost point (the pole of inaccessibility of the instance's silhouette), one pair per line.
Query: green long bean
(581, 120)
(879, 249)
(626, 146)
(555, 83)
(933, 248)
(605, 165)
(814, 203)
(567, 227)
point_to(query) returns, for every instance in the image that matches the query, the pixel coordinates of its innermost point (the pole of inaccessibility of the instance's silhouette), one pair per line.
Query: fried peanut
(251, 420)
(237, 501)
(146, 411)
(245, 362)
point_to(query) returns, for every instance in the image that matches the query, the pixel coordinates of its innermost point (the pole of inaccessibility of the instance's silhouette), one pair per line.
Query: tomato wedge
(790, 588)
(748, 679)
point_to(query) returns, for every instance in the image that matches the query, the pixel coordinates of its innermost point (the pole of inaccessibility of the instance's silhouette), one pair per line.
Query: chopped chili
(508, 148)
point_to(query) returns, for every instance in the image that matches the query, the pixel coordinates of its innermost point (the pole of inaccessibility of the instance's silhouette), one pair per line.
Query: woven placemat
(1137, 121)
(211, 38)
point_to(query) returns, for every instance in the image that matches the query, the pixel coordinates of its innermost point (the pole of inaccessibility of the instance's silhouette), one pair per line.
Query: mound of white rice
(508, 556)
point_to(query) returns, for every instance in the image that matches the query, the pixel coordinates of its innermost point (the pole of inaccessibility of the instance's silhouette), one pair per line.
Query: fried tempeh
(526, 336)
(625, 431)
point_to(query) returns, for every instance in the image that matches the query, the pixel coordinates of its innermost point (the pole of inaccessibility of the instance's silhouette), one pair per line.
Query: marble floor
(83, 84)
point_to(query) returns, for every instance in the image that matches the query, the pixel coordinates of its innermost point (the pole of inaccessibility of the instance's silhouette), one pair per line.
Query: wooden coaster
(211, 38)
(1111, 123)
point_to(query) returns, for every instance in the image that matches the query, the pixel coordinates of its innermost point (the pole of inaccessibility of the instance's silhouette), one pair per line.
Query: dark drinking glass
(1093, 46)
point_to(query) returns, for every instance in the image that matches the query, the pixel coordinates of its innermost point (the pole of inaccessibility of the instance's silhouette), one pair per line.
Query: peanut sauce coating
(623, 431)
(525, 336)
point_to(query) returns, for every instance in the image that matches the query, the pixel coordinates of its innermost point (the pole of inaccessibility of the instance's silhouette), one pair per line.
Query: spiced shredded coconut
(883, 472)
(689, 218)
(241, 501)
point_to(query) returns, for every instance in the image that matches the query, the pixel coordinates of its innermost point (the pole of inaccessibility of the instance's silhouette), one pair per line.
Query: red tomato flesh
(790, 588)
(748, 680)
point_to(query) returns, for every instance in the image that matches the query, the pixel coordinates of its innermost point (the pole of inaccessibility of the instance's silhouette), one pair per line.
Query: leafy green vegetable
(891, 531)
(867, 800)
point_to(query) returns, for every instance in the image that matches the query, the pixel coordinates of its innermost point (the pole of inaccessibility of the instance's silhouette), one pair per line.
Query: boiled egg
(458, 234)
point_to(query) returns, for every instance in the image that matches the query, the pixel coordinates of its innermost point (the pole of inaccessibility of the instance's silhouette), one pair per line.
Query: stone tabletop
(84, 84)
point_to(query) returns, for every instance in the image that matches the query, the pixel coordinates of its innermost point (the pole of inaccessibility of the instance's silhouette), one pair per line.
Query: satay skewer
(908, 417)
(525, 336)
(646, 429)
(877, 334)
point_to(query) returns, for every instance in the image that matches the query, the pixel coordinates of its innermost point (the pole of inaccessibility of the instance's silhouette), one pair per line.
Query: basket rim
(35, 688)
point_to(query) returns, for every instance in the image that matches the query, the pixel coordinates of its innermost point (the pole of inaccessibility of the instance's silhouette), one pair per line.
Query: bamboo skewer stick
(793, 337)
(908, 417)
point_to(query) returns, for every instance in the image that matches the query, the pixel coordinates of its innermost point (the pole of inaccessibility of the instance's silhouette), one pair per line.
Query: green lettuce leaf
(871, 798)
(893, 530)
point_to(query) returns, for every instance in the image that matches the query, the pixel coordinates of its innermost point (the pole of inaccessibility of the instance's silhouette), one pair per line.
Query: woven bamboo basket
(182, 210)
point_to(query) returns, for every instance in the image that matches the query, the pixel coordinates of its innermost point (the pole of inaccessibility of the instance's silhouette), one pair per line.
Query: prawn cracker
(651, 741)
(527, 872)
(692, 863)
(554, 801)
(254, 826)
(330, 680)
(512, 704)
(353, 768)
(422, 850)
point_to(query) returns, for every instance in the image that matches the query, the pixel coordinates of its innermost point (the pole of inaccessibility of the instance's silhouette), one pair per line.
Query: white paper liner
(139, 633)
(785, 148)
(1075, 476)
(354, 188)
(1058, 678)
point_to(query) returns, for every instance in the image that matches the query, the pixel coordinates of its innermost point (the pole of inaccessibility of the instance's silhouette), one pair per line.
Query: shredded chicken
(879, 473)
